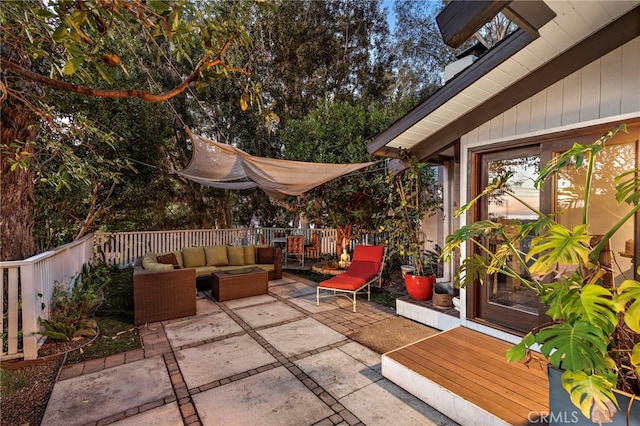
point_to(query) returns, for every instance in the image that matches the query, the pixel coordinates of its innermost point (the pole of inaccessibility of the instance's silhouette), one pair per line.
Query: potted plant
(411, 195)
(594, 333)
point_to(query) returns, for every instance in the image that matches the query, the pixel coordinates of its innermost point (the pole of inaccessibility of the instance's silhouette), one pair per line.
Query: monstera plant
(594, 332)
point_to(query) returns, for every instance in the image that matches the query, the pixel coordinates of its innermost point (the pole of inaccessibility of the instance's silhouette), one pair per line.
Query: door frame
(547, 146)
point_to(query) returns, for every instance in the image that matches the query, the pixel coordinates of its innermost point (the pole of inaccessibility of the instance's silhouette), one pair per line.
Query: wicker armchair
(163, 295)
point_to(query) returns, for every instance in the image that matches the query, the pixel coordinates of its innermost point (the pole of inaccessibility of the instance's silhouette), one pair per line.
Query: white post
(30, 325)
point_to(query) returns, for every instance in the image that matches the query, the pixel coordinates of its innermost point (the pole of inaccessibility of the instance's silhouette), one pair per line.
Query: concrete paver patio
(264, 360)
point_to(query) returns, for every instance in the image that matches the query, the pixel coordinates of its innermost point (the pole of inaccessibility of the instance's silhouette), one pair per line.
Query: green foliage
(559, 246)
(422, 52)
(627, 300)
(598, 351)
(337, 132)
(72, 313)
(577, 346)
(407, 198)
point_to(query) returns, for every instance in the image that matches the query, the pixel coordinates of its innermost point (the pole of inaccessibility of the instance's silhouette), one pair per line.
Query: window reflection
(503, 290)
(603, 209)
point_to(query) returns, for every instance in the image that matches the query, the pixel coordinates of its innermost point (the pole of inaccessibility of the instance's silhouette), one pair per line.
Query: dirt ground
(27, 385)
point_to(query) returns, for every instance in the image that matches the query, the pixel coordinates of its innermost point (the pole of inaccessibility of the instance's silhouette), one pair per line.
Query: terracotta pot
(419, 287)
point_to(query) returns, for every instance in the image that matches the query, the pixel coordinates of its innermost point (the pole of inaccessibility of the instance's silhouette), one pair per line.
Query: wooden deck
(471, 366)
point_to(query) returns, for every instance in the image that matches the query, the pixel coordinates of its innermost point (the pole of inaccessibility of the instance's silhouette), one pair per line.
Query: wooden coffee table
(238, 283)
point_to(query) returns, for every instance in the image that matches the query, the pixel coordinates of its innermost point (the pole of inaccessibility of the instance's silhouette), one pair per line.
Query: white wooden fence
(27, 285)
(123, 248)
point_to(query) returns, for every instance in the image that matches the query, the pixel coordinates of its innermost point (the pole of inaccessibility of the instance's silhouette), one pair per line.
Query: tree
(335, 48)
(304, 51)
(422, 55)
(81, 47)
(337, 132)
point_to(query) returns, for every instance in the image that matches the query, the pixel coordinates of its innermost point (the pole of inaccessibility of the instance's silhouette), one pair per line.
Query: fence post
(13, 299)
(30, 325)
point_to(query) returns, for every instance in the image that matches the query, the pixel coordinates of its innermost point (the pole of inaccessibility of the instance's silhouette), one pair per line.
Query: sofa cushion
(168, 259)
(193, 257)
(264, 255)
(370, 253)
(154, 266)
(205, 271)
(363, 269)
(179, 257)
(249, 255)
(216, 255)
(267, 268)
(235, 255)
(148, 259)
(343, 282)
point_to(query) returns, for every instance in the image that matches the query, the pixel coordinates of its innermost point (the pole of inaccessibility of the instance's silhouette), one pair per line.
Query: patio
(276, 359)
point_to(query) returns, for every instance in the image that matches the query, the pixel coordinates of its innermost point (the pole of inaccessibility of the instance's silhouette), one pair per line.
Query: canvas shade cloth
(224, 166)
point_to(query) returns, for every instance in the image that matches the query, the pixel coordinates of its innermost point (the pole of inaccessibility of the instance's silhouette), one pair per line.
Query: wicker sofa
(164, 285)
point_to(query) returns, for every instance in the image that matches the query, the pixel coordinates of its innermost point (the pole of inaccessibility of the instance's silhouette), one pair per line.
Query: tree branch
(106, 93)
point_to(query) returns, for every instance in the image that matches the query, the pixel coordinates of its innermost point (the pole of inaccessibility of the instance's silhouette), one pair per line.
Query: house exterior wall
(607, 90)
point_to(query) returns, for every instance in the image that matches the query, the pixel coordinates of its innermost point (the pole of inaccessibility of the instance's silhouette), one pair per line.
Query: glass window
(502, 290)
(604, 210)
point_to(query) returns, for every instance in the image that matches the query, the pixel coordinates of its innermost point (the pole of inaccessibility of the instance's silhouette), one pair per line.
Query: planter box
(563, 412)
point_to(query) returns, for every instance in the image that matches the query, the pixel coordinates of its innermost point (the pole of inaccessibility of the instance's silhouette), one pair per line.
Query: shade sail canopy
(224, 166)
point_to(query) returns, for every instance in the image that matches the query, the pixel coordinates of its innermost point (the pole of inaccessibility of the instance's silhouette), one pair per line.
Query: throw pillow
(249, 255)
(193, 257)
(216, 255)
(265, 255)
(168, 259)
(235, 255)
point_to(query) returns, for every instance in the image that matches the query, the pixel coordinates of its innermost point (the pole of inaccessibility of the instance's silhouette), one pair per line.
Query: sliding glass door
(504, 300)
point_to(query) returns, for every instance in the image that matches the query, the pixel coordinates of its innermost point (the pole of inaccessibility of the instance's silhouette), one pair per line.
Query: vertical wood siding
(608, 87)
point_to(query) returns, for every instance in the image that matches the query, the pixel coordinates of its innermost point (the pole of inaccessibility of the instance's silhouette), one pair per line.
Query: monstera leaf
(629, 293)
(469, 233)
(592, 394)
(595, 305)
(573, 347)
(559, 245)
(472, 268)
(557, 296)
(518, 352)
(635, 357)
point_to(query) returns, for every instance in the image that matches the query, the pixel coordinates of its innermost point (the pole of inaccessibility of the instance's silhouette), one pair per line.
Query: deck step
(464, 374)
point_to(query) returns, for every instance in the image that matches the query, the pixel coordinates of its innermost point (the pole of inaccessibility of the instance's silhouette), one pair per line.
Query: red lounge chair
(366, 267)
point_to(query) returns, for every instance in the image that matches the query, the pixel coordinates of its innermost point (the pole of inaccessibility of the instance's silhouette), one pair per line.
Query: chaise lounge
(366, 267)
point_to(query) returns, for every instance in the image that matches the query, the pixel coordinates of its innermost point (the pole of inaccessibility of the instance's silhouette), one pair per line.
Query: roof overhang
(514, 70)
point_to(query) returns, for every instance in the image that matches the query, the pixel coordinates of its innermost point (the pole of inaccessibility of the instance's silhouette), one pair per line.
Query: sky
(391, 16)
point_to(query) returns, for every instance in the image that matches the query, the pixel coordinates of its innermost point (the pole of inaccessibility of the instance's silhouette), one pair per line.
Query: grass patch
(378, 295)
(115, 320)
(11, 381)
(383, 297)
